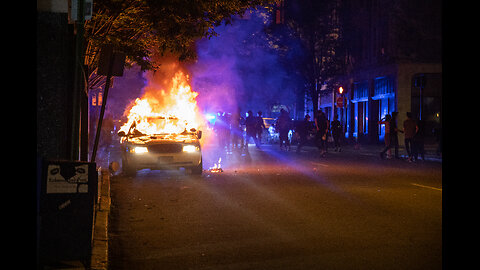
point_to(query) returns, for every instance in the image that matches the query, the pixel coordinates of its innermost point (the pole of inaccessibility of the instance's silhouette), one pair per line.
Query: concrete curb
(99, 258)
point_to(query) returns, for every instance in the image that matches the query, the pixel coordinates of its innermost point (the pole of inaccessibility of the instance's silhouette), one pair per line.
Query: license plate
(165, 160)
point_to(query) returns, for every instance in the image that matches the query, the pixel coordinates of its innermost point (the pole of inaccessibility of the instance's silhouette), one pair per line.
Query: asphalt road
(273, 209)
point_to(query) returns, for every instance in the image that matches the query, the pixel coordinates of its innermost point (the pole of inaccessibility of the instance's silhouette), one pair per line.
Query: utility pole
(79, 85)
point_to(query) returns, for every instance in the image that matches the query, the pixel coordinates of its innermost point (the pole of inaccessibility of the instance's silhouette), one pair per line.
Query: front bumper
(163, 161)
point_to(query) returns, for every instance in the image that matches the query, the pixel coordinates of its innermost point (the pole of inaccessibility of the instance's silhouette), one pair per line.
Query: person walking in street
(321, 123)
(250, 125)
(418, 141)
(236, 130)
(260, 126)
(386, 122)
(222, 129)
(337, 129)
(393, 136)
(394, 133)
(302, 131)
(409, 127)
(327, 135)
(283, 126)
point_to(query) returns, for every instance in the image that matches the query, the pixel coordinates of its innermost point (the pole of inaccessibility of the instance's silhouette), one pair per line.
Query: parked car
(271, 136)
(311, 132)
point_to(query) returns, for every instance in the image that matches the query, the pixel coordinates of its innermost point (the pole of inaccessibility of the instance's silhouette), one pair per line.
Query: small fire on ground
(217, 167)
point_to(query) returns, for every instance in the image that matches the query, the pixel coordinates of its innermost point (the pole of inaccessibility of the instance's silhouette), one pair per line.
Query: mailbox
(67, 194)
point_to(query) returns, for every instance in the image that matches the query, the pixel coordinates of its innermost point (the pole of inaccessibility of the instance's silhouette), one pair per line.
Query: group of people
(229, 129)
(323, 129)
(414, 136)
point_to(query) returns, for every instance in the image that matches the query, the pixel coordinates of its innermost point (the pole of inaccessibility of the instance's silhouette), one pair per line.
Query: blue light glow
(211, 118)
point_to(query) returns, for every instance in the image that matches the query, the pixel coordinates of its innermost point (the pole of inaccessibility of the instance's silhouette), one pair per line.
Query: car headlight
(139, 150)
(190, 148)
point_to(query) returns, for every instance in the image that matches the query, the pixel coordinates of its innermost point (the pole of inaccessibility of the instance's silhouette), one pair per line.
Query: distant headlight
(139, 150)
(190, 148)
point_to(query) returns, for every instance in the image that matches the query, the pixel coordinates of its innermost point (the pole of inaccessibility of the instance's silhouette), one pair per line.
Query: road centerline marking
(320, 164)
(418, 185)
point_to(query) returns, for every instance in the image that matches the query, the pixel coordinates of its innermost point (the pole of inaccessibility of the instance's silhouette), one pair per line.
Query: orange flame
(217, 167)
(177, 109)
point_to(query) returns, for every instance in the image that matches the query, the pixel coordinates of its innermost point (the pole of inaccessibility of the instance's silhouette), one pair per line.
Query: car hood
(167, 138)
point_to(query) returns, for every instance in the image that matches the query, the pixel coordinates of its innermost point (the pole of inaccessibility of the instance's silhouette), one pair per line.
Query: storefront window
(360, 99)
(360, 90)
(383, 86)
(384, 92)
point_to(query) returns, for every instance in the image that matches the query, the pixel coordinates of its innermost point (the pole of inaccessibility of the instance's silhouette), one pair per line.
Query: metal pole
(78, 81)
(343, 116)
(102, 111)
(421, 102)
(333, 104)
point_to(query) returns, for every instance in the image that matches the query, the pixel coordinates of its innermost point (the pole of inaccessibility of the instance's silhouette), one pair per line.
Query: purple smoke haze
(237, 68)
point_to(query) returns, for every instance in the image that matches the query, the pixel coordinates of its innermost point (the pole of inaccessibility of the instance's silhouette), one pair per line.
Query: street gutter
(99, 258)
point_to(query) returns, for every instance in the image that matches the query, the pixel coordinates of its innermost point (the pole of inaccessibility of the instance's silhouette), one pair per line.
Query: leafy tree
(317, 25)
(143, 29)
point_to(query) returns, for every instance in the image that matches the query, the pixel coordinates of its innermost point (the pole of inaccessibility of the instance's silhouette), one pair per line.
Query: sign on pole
(340, 102)
(110, 59)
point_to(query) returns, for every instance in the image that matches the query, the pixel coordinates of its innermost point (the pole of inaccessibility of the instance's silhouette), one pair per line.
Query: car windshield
(268, 122)
(150, 126)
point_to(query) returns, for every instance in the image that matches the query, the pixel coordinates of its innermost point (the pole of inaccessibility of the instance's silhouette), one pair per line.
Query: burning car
(163, 150)
(163, 129)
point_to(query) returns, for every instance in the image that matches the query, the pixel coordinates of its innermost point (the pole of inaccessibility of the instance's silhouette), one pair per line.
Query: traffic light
(340, 90)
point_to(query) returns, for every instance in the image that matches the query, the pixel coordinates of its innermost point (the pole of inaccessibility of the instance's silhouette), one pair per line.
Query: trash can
(66, 208)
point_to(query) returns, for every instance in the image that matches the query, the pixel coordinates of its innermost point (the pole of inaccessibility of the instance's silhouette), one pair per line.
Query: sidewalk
(373, 150)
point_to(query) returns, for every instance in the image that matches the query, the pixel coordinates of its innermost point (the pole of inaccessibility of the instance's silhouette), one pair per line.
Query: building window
(384, 92)
(97, 98)
(360, 90)
(361, 119)
(383, 86)
(360, 99)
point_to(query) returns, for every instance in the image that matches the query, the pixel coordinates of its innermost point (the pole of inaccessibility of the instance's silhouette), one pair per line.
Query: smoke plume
(239, 68)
